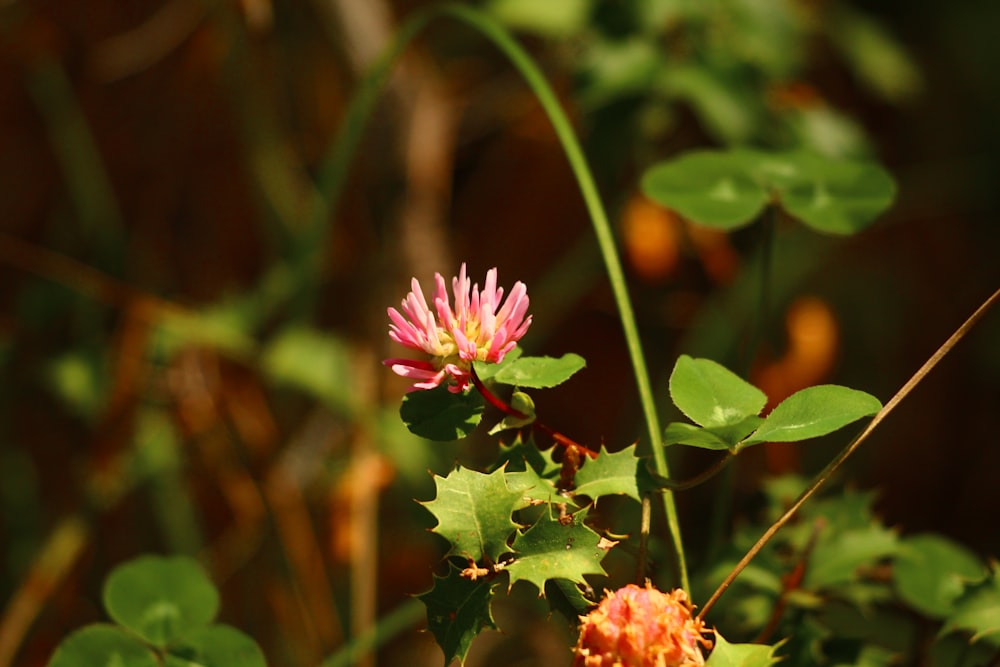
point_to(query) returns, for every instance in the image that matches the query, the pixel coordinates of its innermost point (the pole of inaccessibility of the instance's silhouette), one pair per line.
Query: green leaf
(838, 196)
(621, 473)
(486, 370)
(540, 372)
(558, 19)
(554, 549)
(458, 609)
(725, 654)
(438, 414)
(711, 188)
(524, 404)
(523, 453)
(102, 645)
(531, 486)
(717, 437)
(216, 646)
(160, 598)
(474, 512)
(931, 572)
(813, 412)
(314, 362)
(837, 559)
(568, 599)
(711, 395)
(978, 611)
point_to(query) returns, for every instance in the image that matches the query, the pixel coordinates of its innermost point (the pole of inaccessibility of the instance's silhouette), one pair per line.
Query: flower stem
(334, 175)
(825, 474)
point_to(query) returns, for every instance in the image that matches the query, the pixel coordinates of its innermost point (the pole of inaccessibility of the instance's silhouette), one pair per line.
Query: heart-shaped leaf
(711, 395)
(102, 645)
(438, 414)
(813, 412)
(160, 598)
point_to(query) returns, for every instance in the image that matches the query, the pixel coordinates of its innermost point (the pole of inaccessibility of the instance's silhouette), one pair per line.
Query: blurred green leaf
(79, 378)
(458, 609)
(474, 511)
(876, 57)
(159, 598)
(978, 611)
(711, 188)
(314, 362)
(216, 646)
(438, 414)
(540, 372)
(837, 559)
(557, 19)
(931, 572)
(711, 395)
(102, 645)
(813, 412)
(556, 549)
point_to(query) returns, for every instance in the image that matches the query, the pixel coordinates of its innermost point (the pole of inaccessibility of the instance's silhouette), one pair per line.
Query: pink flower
(641, 627)
(478, 328)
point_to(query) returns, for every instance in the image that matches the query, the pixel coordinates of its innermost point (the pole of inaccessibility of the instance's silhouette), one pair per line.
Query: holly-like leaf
(458, 609)
(725, 654)
(621, 473)
(717, 437)
(438, 414)
(813, 412)
(103, 645)
(712, 188)
(160, 598)
(711, 395)
(931, 572)
(523, 453)
(474, 512)
(978, 611)
(540, 372)
(533, 487)
(556, 549)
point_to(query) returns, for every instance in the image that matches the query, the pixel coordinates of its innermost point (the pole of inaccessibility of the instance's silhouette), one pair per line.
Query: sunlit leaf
(813, 412)
(474, 512)
(102, 645)
(711, 188)
(931, 572)
(716, 437)
(620, 473)
(556, 549)
(540, 372)
(711, 395)
(458, 609)
(725, 654)
(438, 414)
(160, 598)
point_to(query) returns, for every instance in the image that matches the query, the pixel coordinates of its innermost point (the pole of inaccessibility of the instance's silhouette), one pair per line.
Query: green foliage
(621, 473)
(556, 548)
(458, 609)
(164, 607)
(317, 363)
(474, 513)
(439, 414)
(931, 572)
(730, 189)
(977, 611)
(725, 654)
(725, 409)
(539, 372)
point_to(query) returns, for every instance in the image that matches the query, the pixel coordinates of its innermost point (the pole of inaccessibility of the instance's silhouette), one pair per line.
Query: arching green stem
(335, 169)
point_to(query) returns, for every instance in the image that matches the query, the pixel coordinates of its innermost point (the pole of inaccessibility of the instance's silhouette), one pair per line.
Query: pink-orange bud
(641, 627)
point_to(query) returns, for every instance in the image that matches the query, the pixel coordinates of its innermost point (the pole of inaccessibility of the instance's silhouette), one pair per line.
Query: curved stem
(702, 477)
(357, 115)
(832, 467)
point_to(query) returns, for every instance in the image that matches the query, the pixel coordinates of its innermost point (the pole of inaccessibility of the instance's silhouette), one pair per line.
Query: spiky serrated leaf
(523, 453)
(556, 549)
(533, 487)
(458, 609)
(725, 654)
(474, 512)
(620, 473)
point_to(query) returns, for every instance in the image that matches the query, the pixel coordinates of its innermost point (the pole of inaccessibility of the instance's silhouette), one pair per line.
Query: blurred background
(192, 310)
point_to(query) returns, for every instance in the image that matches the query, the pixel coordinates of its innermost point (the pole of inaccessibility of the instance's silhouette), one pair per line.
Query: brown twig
(832, 467)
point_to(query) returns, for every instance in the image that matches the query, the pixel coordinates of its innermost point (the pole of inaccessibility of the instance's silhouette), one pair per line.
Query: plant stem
(825, 474)
(335, 170)
(404, 616)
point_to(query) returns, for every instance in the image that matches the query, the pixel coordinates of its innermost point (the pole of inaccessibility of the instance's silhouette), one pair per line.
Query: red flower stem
(505, 408)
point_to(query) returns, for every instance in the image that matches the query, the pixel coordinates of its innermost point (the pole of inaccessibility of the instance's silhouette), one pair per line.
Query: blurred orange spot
(652, 238)
(813, 338)
(794, 95)
(718, 257)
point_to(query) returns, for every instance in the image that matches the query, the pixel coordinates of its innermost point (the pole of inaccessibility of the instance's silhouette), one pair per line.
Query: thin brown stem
(832, 467)
(700, 478)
